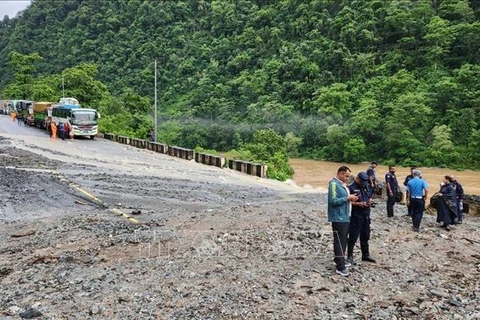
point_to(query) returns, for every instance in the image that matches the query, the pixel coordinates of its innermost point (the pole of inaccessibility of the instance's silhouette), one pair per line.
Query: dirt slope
(211, 244)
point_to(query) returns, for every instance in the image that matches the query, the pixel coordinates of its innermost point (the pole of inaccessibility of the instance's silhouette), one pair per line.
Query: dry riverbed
(209, 249)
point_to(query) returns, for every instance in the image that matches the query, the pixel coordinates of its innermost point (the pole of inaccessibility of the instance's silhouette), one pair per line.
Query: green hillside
(343, 80)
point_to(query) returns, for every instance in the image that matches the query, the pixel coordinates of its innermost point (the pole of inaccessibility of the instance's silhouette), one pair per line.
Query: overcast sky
(11, 7)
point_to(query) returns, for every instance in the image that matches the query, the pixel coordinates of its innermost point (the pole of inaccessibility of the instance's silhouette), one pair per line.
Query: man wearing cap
(360, 217)
(416, 194)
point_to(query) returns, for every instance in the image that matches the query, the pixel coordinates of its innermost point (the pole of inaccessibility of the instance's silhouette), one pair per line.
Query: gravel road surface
(99, 230)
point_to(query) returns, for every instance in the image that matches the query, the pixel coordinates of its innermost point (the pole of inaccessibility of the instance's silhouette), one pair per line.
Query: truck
(23, 108)
(5, 106)
(40, 114)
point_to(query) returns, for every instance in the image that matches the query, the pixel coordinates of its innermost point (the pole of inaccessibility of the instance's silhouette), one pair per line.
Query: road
(129, 179)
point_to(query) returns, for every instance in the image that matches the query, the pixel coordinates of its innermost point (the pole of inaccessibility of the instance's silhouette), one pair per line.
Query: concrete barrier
(123, 140)
(109, 136)
(254, 169)
(471, 204)
(210, 159)
(157, 147)
(183, 153)
(139, 143)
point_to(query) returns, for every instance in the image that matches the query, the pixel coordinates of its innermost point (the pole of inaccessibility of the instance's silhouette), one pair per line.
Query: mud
(210, 244)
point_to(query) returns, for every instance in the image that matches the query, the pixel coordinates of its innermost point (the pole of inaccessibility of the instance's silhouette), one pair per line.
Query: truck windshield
(84, 117)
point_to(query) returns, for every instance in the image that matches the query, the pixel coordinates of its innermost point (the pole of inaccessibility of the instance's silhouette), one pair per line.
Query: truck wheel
(92, 137)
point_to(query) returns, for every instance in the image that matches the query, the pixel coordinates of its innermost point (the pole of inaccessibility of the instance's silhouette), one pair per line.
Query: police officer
(372, 175)
(416, 194)
(360, 217)
(407, 179)
(391, 184)
(459, 195)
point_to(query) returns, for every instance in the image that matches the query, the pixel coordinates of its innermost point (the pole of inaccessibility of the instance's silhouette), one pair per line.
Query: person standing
(19, 119)
(446, 204)
(417, 192)
(61, 130)
(54, 130)
(460, 194)
(372, 176)
(360, 217)
(339, 199)
(405, 183)
(391, 186)
(66, 129)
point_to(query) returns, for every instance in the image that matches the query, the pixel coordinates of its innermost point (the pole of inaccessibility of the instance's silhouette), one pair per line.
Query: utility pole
(63, 86)
(155, 104)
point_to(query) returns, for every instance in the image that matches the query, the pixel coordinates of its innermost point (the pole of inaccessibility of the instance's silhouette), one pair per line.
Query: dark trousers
(390, 204)
(409, 210)
(340, 235)
(418, 205)
(359, 226)
(459, 211)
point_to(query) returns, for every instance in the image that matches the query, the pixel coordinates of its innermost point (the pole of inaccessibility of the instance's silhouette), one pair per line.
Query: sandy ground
(209, 244)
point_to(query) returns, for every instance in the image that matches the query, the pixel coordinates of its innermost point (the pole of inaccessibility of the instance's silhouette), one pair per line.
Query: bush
(268, 147)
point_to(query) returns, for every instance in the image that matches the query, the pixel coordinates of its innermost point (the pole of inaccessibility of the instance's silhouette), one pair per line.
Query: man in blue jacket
(339, 199)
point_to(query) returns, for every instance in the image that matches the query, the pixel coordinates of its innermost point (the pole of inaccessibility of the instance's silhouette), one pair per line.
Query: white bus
(83, 122)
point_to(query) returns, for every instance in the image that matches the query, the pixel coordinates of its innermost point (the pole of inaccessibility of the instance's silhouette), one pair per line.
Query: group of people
(356, 198)
(449, 202)
(63, 130)
(17, 116)
(349, 207)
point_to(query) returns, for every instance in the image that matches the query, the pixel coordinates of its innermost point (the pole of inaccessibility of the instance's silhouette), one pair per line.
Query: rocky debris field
(207, 250)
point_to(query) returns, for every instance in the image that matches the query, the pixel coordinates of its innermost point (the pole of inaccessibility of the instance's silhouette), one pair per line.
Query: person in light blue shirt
(416, 194)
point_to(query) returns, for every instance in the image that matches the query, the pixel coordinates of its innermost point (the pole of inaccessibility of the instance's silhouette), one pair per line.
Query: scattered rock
(439, 294)
(30, 314)
(24, 233)
(12, 310)
(5, 271)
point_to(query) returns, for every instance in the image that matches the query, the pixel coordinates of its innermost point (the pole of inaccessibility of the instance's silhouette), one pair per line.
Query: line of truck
(82, 121)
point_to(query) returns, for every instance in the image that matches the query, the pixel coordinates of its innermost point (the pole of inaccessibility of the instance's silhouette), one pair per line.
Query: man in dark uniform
(391, 188)
(405, 183)
(360, 217)
(372, 176)
(459, 194)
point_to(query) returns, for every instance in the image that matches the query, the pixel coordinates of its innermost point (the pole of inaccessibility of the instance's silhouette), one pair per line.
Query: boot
(365, 249)
(389, 211)
(350, 247)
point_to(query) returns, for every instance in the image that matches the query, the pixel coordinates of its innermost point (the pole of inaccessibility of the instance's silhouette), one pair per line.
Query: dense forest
(345, 80)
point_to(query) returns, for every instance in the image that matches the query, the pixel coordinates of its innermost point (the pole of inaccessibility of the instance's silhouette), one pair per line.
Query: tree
(24, 67)
(80, 83)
